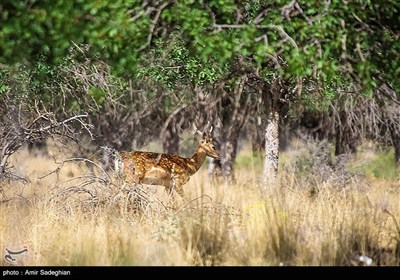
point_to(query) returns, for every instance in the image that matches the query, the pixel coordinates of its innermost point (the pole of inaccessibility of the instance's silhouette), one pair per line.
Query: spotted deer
(170, 171)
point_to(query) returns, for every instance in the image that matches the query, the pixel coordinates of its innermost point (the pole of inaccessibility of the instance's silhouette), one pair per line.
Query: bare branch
(360, 54)
(260, 16)
(273, 57)
(389, 93)
(141, 13)
(212, 14)
(293, 9)
(279, 28)
(153, 25)
(17, 130)
(57, 124)
(170, 117)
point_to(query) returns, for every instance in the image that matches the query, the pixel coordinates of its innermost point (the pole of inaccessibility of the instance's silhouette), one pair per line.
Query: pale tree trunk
(275, 97)
(271, 150)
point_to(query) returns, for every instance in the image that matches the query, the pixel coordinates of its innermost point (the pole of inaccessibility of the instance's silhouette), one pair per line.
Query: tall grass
(216, 224)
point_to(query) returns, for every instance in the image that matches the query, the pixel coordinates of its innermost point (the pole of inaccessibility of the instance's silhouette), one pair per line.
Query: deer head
(206, 143)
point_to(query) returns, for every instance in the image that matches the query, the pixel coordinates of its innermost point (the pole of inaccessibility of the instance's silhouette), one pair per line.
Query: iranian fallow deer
(170, 171)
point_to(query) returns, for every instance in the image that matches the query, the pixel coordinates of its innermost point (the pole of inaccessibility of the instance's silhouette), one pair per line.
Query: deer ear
(204, 136)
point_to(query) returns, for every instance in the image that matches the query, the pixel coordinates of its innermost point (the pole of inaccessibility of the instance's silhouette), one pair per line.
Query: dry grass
(298, 223)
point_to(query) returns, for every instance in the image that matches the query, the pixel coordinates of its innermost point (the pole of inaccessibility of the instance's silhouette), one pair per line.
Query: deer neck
(197, 160)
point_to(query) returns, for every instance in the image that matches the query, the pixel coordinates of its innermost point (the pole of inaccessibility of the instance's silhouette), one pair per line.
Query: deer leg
(138, 173)
(179, 190)
(132, 184)
(178, 183)
(133, 174)
(171, 198)
(169, 190)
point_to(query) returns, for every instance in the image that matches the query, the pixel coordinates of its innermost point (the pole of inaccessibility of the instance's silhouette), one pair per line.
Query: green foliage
(330, 44)
(173, 66)
(4, 86)
(383, 166)
(97, 94)
(31, 29)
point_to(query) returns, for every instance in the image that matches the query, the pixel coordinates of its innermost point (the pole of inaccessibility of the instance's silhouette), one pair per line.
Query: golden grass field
(303, 221)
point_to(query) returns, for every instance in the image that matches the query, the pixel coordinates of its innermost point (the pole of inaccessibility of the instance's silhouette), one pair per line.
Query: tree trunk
(283, 137)
(271, 150)
(345, 138)
(395, 135)
(389, 102)
(215, 167)
(229, 150)
(257, 139)
(170, 140)
(225, 141)
(275, 96)
(233, 109)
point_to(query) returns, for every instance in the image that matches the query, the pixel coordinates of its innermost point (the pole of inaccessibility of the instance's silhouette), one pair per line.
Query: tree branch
(279, 28)
(153, 26)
